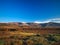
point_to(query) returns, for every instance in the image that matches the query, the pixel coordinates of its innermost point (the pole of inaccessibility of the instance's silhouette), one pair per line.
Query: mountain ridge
(49, 24)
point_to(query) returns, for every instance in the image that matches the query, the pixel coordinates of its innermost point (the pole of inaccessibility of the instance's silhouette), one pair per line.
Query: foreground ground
(34, 39)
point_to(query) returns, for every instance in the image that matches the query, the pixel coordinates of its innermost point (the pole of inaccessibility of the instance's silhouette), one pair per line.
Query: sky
(29, 10)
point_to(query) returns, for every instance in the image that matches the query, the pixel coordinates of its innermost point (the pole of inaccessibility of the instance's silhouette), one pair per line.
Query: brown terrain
(7, 30)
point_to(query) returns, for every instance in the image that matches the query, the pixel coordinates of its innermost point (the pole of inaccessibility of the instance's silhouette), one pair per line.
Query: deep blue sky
(28, 10)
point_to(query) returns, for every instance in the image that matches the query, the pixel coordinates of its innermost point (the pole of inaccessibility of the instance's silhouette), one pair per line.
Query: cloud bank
(49, 20)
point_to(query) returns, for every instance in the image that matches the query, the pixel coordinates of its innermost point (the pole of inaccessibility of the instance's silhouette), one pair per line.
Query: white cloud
(56, 19)
(49, 20)
(23, 22)
(42, 21)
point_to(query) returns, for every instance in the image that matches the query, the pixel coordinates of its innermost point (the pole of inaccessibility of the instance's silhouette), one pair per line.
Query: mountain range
(35, 25)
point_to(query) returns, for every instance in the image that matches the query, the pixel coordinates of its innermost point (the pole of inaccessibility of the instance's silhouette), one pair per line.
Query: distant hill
(51, 25)
(35, 25)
